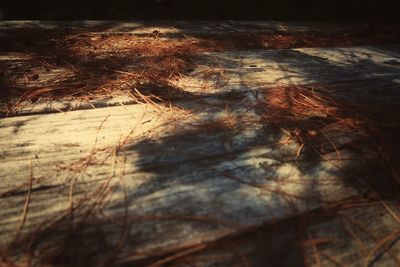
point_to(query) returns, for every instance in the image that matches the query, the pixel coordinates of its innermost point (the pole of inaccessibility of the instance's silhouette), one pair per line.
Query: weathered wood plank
(343, 239)
(194, 179)
(251, 70)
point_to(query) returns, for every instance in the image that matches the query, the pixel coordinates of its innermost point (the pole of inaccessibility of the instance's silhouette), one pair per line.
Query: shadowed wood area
(208, 144)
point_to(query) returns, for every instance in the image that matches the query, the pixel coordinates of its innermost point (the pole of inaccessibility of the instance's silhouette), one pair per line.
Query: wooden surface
(202, 182)
(252, 70)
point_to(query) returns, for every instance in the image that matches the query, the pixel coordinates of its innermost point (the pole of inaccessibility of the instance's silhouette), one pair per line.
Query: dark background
(350, 10)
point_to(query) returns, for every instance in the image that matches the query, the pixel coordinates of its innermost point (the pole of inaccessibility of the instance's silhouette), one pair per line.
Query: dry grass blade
(313, 245)
(26, 205)
(178, 255)
(83, 171)
(382, 243)
(332, 259)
